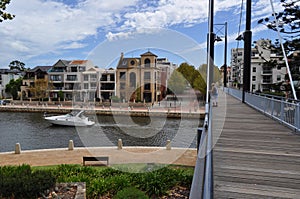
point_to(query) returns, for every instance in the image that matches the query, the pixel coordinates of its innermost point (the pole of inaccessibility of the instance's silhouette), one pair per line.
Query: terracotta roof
(78, 62)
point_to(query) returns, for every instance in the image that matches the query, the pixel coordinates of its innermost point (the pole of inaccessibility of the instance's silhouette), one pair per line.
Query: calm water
(32, 132)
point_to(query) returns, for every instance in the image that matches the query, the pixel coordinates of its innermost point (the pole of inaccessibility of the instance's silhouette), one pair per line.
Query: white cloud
(52, 26)
(42, 26)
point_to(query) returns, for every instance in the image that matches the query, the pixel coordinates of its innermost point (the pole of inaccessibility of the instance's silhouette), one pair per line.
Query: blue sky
(45, 31)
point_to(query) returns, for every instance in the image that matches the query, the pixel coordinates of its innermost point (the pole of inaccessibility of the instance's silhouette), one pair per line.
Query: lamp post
(223, 34)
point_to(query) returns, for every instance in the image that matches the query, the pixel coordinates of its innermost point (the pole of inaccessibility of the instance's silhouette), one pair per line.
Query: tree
(289, 27)
(189, 72)
(13, 87)
(177, 83)
(17, 65)
(40, 88)
(288, 24)
(193, 76)
(203, 72)
(4, 15)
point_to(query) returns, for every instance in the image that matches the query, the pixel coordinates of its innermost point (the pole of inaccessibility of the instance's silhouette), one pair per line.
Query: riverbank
(126, 155)
(117, 109)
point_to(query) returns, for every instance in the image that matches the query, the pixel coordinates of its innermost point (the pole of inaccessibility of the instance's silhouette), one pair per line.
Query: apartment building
(142, 78)
(35, 83)
(66, 79)
(263, 74)
(5, 76)
(107, 83)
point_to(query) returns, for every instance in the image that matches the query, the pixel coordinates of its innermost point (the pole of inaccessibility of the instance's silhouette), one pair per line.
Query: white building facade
(263, 73)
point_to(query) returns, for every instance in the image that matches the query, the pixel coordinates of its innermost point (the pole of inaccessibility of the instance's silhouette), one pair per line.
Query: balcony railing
(266, 81)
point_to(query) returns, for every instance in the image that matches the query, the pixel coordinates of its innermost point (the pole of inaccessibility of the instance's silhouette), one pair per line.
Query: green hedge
(22, 182)
(110, 181)
(25, 182)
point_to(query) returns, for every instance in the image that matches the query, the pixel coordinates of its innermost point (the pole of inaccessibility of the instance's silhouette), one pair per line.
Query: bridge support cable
(283, 51)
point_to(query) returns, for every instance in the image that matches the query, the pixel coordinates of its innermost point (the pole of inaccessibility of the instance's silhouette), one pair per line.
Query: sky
(45, 31)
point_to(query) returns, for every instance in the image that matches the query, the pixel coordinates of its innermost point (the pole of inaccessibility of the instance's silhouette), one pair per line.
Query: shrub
(130, 193)
(22, 182)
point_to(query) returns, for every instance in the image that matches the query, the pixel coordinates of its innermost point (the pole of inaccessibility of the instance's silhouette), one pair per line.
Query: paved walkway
(126, 155)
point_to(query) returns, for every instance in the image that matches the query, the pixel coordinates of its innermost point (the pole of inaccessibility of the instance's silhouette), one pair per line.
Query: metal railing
(286, 112)
(202, 185)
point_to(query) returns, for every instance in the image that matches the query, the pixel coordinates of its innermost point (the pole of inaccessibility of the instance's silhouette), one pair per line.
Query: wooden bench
(92, 158)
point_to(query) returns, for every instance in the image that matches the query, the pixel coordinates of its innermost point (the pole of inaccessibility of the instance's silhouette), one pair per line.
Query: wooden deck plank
(254, 156)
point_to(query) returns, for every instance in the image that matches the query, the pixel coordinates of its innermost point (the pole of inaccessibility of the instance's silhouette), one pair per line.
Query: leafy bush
(130, 193)
(22, 182)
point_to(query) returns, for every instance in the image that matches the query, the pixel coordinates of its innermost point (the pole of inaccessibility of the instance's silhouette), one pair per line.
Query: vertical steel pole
(247, 51)
(210, 49)
(225, 57)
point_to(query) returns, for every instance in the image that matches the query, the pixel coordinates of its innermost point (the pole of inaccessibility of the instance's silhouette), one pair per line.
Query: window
(253, 78)
(132, 79)
(86, 86)
(123, 75)
(147, 87)
(93, 77)
(93, 85)
(132, 62)
(254, 69)
(55, 78)
(81, 68)
(147, 63)
(122, 86)
(85, 78)
(73, 69)
(104, 78)
(278, 78)
(253, 87)
(71, 77)
(147, 75)
(112, 77)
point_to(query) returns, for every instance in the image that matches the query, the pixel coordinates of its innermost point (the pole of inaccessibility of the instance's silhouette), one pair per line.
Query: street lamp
(223, 32)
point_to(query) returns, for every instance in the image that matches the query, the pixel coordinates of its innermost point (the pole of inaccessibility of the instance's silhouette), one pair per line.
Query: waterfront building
(263, 74)
(35, 83)
(88, 88)
(107, 84)
(66, 79)
(5, 76)
(142, 78)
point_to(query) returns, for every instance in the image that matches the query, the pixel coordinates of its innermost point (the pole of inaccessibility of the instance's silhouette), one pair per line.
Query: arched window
(147, 63)
(132, 79)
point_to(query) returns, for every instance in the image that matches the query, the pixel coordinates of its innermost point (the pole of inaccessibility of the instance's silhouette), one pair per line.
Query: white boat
(75, 118)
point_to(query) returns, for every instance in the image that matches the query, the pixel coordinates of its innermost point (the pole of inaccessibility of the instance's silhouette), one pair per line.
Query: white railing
(286, 112)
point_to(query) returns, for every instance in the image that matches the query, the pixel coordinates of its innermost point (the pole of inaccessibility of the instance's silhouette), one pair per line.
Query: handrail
(285, 111)
(202, 185)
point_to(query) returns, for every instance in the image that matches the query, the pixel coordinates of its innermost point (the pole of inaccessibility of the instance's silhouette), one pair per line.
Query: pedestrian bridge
(249, 150)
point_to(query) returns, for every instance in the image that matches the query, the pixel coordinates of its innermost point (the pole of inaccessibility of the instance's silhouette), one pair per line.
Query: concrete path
(178, 156)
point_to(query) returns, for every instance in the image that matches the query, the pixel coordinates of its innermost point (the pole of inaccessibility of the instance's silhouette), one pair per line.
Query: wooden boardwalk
(254, 156)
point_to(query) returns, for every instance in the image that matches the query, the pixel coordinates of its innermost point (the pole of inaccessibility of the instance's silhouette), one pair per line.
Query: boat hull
(70, 120)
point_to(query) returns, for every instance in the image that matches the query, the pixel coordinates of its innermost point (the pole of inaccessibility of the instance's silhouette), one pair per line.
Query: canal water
(33, 132)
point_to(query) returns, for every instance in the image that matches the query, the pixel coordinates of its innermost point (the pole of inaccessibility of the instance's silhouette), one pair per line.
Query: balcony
(266, 72)
(266, 81)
